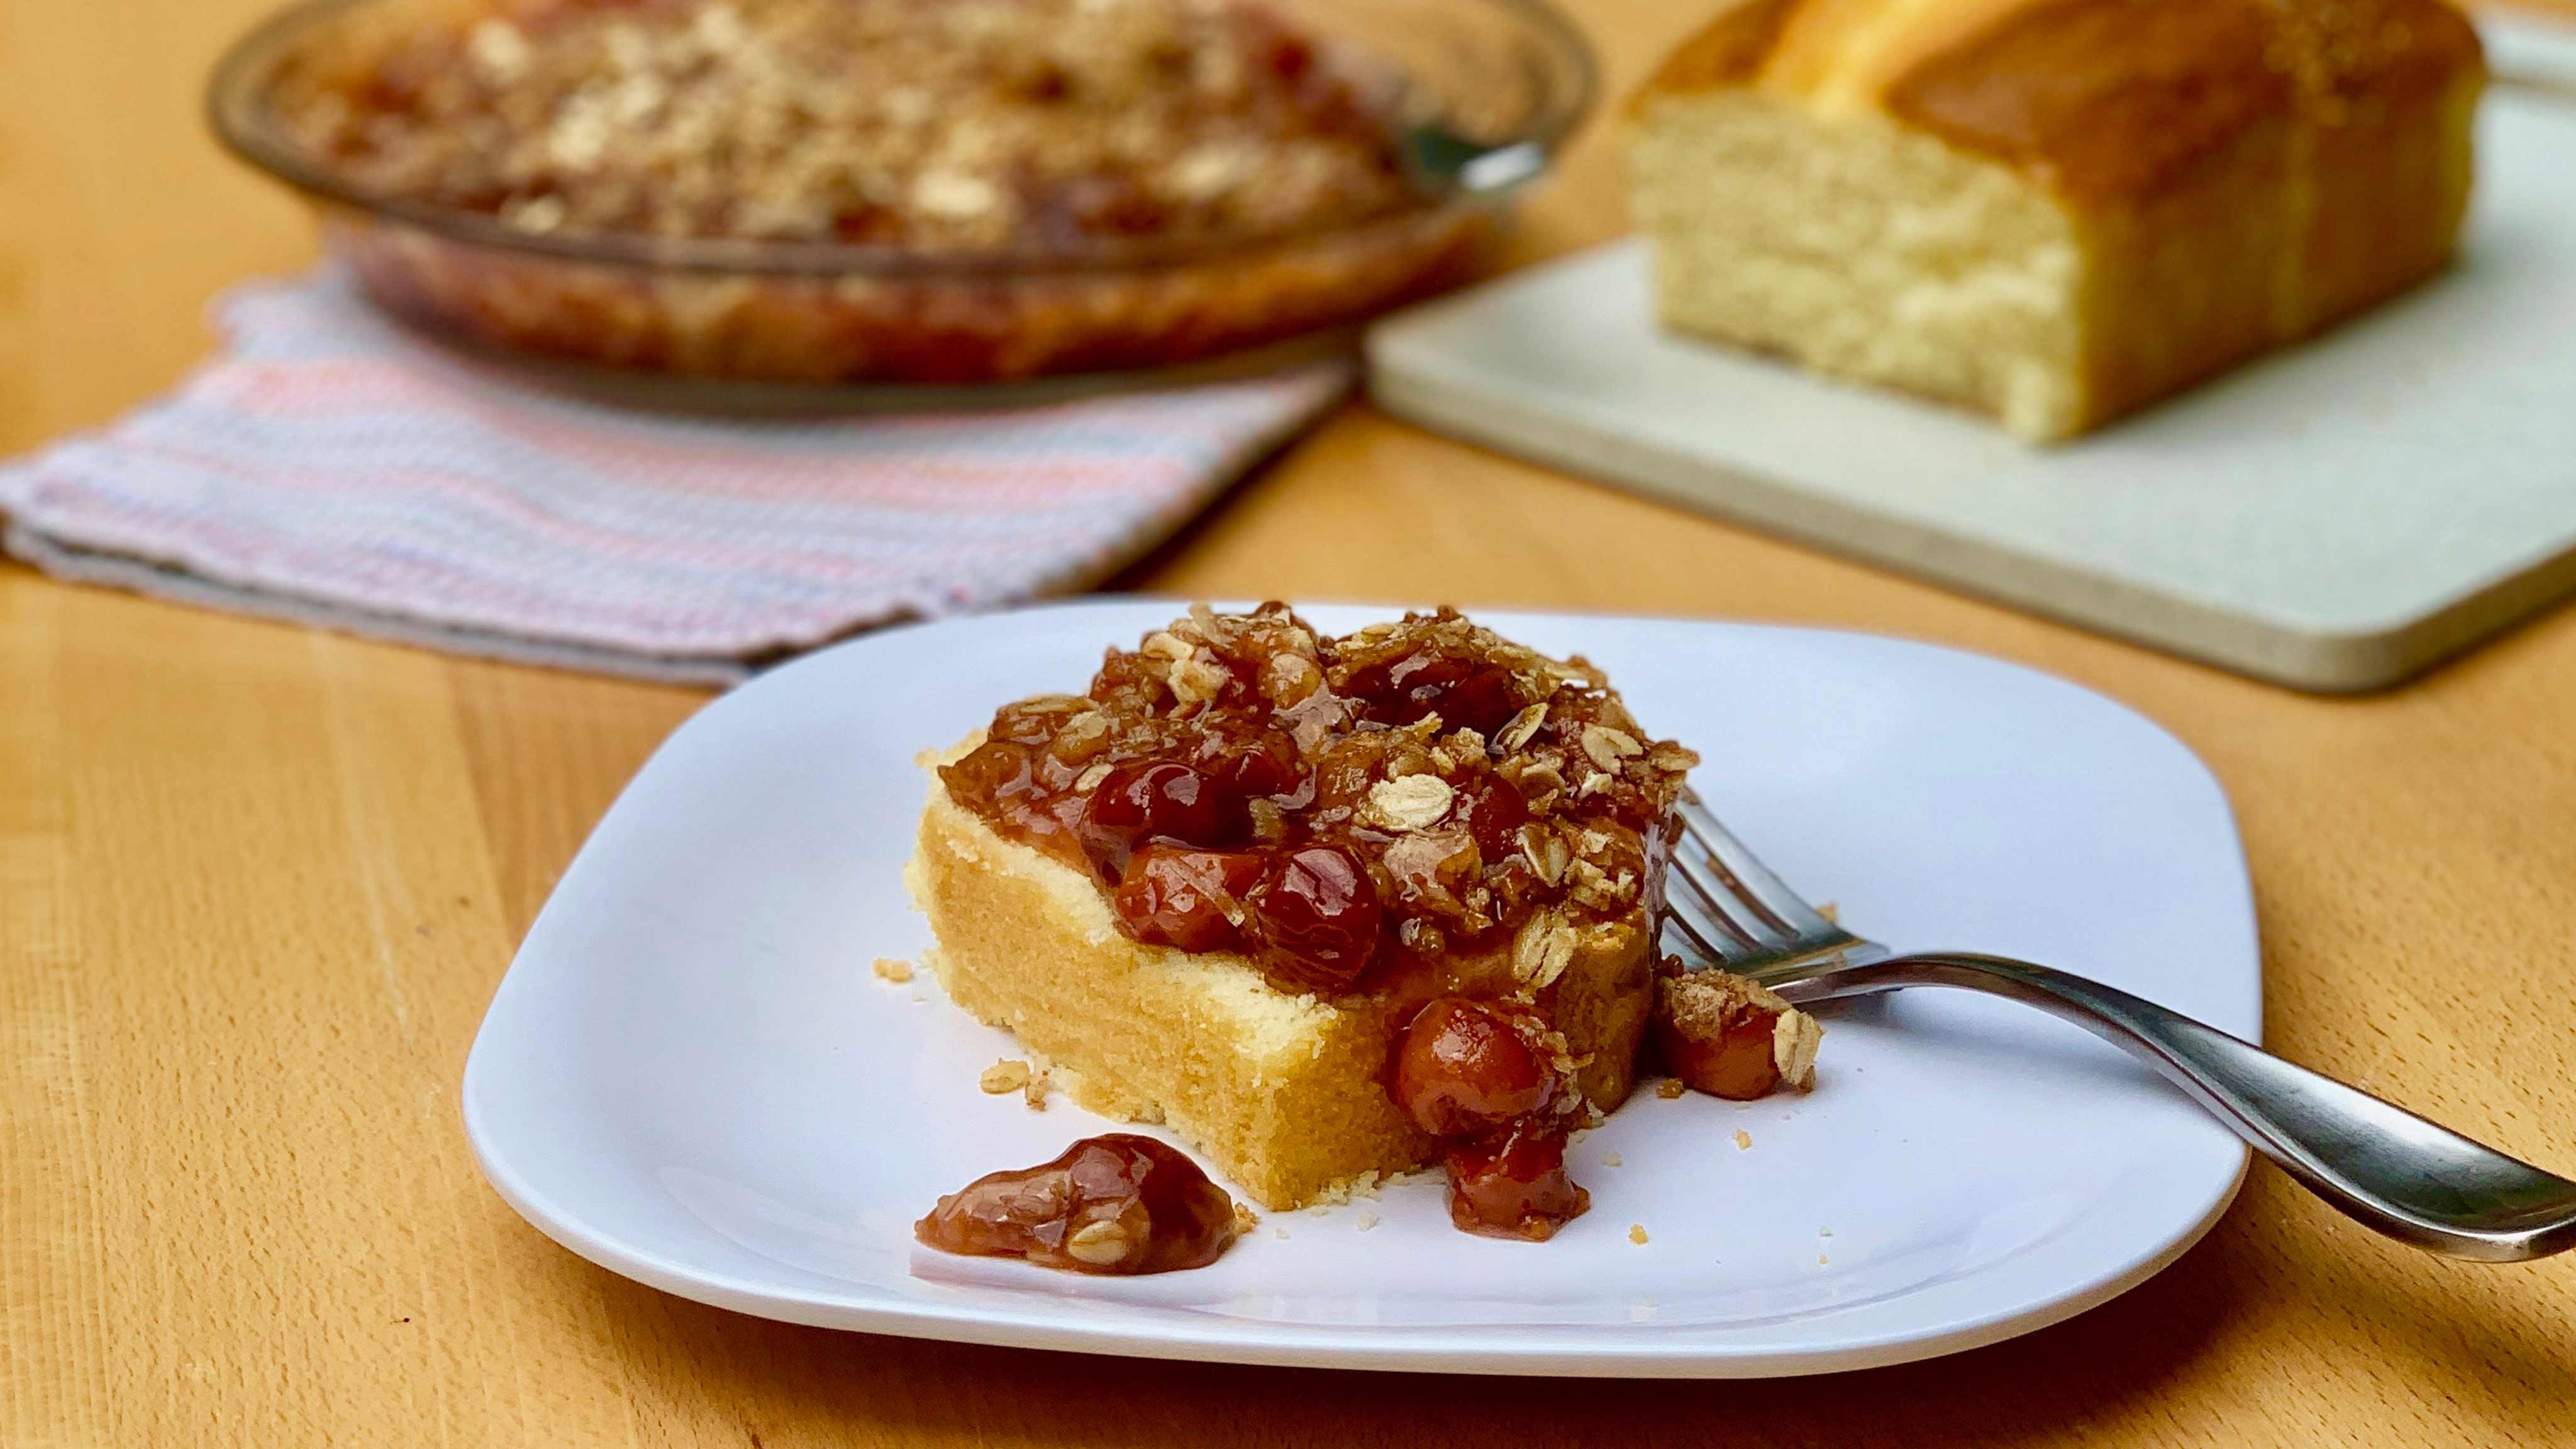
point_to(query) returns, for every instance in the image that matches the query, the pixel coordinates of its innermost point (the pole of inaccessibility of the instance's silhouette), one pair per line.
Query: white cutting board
(2335, 517)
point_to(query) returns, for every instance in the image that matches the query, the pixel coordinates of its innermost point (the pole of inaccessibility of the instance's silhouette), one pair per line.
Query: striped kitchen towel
(329, 467)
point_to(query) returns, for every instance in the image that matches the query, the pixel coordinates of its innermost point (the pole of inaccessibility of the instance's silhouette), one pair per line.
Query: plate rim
(1374, 1349)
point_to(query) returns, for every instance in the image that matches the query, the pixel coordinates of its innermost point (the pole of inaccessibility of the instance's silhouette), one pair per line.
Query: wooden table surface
(257, 883)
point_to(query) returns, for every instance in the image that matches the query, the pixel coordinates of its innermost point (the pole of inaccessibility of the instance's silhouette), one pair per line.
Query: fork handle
(2378, 1163)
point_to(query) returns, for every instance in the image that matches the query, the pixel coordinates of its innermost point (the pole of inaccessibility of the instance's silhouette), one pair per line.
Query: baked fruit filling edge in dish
(1332, 909)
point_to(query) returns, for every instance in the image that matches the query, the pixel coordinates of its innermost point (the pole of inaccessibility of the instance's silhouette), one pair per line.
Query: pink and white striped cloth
(330, 468)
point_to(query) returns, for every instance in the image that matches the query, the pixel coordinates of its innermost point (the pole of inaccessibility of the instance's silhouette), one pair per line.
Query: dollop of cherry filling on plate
(1117, 1203)
(1514, 1185)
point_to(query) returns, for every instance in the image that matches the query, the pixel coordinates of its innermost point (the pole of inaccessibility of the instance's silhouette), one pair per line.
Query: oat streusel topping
(1416, 791)
(932, 125)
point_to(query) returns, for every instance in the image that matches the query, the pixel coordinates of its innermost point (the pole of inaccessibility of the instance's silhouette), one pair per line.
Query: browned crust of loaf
(1729, 50)
(2103, 98)
(2114, 100)
(1020, 950)
(2391, 184)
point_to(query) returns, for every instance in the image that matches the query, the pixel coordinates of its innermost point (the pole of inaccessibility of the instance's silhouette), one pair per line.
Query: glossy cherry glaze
(1118, 1203)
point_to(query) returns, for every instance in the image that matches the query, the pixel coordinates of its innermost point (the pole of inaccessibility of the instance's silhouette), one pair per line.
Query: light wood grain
(257, 883)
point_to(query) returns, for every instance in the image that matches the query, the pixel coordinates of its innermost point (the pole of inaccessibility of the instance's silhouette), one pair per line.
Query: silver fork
(2380, 1164)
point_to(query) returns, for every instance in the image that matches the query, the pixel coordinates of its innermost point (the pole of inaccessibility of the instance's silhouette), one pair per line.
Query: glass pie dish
(1474, 97)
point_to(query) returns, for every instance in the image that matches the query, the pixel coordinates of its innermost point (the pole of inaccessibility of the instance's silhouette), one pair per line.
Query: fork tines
(1727, 904)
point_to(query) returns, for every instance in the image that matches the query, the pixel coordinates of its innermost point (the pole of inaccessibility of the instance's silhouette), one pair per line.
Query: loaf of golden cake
(1284, 1092)
(2054, 211)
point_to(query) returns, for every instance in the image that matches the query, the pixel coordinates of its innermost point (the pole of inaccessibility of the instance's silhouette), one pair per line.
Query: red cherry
(1467, 1067)
(1263, 764)
(1466, 694)
(1494, 812)
(1176, 897)
(1315, 919)
(1162, 801)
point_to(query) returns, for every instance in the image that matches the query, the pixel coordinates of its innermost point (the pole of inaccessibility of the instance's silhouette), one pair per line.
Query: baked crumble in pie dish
(1331, 909)
(923, 193)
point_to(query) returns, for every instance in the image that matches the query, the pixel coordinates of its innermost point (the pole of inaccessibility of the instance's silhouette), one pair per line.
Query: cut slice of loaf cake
(1331, 908)
(1285, 1093)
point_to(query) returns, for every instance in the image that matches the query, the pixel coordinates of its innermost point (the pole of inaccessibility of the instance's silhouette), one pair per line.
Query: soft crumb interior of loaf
(1860, 248)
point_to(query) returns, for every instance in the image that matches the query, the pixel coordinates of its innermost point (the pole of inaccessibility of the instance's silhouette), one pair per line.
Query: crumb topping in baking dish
(1016, 126)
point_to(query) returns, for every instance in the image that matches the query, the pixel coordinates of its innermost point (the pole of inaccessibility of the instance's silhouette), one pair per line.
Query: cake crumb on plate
(1008, 1075)
(1743, 1139)
(892, 970)
(1637, 1233)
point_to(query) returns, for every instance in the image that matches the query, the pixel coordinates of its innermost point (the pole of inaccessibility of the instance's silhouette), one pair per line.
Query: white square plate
(689, 1075)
